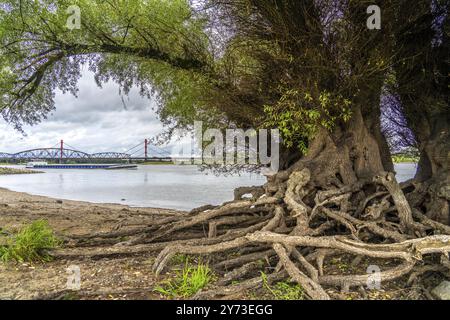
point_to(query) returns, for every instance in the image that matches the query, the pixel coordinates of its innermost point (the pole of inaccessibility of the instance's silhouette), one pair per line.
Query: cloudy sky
(96, 121)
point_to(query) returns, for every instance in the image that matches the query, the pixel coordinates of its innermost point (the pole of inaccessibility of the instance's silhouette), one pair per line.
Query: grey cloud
(95, 121)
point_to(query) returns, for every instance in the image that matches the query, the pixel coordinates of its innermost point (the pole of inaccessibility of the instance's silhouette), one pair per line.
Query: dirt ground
(118, 277)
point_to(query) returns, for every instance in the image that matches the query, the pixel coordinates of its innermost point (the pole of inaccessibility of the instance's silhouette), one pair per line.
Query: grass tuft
(400, 158)
(29, 243)
(187, 281)
(180, 259)
(283, 290)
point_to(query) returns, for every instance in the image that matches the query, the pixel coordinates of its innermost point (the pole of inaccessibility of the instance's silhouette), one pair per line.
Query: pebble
(442, 291)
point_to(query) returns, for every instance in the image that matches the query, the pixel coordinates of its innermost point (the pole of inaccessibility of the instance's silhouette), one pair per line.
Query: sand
(110, 278)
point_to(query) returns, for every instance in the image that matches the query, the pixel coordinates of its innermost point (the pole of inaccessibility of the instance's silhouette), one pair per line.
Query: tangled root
(294, 225)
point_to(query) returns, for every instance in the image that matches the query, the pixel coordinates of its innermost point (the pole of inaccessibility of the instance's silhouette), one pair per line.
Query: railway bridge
(140, 152)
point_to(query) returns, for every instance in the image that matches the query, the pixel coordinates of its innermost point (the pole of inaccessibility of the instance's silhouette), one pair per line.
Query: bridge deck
(82, 166)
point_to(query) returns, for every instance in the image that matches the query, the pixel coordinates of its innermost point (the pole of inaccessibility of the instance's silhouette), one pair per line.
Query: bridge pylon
(61, 151)
(145, 149)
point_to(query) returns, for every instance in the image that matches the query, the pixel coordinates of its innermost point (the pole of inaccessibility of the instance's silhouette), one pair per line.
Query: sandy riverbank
(105, 273)
(7, 171)
(122, 278)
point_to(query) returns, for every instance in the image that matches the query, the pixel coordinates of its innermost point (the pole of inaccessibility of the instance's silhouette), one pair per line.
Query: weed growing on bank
(29, 244)
(283, 290)
(187, 281)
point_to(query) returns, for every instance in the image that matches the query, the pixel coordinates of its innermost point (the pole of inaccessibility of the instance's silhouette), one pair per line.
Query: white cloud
(97, 121)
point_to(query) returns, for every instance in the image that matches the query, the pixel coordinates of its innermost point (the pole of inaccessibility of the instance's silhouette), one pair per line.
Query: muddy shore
(118, 278)
(105, 275)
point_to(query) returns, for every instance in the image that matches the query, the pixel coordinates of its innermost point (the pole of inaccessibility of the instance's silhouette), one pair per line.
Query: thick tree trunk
(372, 120)
(354, 150)
(433, 135)
(422, 84)
(434, 145)
(349, 153)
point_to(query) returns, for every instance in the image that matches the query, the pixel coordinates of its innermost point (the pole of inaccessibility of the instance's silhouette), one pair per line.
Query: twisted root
(296, 226)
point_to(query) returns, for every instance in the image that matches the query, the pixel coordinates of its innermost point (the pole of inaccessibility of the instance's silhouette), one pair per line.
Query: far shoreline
(8, 194)
(10, 171)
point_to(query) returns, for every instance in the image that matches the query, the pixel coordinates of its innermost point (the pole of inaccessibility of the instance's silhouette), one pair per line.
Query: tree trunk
(349, 153)
(433, 135)
(434, 146)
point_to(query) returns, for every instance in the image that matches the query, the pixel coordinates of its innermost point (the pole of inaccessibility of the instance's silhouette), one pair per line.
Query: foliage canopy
(296, 65)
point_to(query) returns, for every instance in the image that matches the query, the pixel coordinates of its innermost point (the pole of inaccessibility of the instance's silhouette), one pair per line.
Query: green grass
(71, 296)
(283, 290)
(149, 163)
(29, 243)
(404, 158)
(187, 281)
(180, 259)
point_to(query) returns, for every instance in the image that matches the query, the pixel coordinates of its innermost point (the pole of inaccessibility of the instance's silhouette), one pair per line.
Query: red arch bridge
(141, 152)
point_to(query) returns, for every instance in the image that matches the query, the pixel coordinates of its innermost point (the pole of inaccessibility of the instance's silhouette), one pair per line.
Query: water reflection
(176, 187)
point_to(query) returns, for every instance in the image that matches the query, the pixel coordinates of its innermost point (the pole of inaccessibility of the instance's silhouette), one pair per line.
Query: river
(161, 186)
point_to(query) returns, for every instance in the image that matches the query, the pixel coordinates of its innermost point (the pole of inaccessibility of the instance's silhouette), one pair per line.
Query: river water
(162, 186)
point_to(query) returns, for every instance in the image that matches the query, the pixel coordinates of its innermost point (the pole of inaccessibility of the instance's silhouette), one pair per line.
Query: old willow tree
(311, 68)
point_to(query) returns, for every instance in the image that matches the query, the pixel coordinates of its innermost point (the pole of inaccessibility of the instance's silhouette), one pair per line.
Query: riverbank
(115, 272)
(7, 171)
(112, 278)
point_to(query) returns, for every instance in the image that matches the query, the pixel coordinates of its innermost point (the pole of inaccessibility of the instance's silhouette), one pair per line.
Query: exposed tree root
(234, 289)
(312, 288)
(292, 229)
(64, 294)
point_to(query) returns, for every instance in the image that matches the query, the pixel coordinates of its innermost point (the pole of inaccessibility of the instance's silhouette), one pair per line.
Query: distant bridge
(141, 152)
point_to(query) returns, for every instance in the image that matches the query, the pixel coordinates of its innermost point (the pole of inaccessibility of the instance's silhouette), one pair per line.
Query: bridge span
(62, 154)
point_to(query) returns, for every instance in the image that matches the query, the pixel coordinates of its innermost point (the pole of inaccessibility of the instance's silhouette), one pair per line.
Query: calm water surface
(163, 186)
